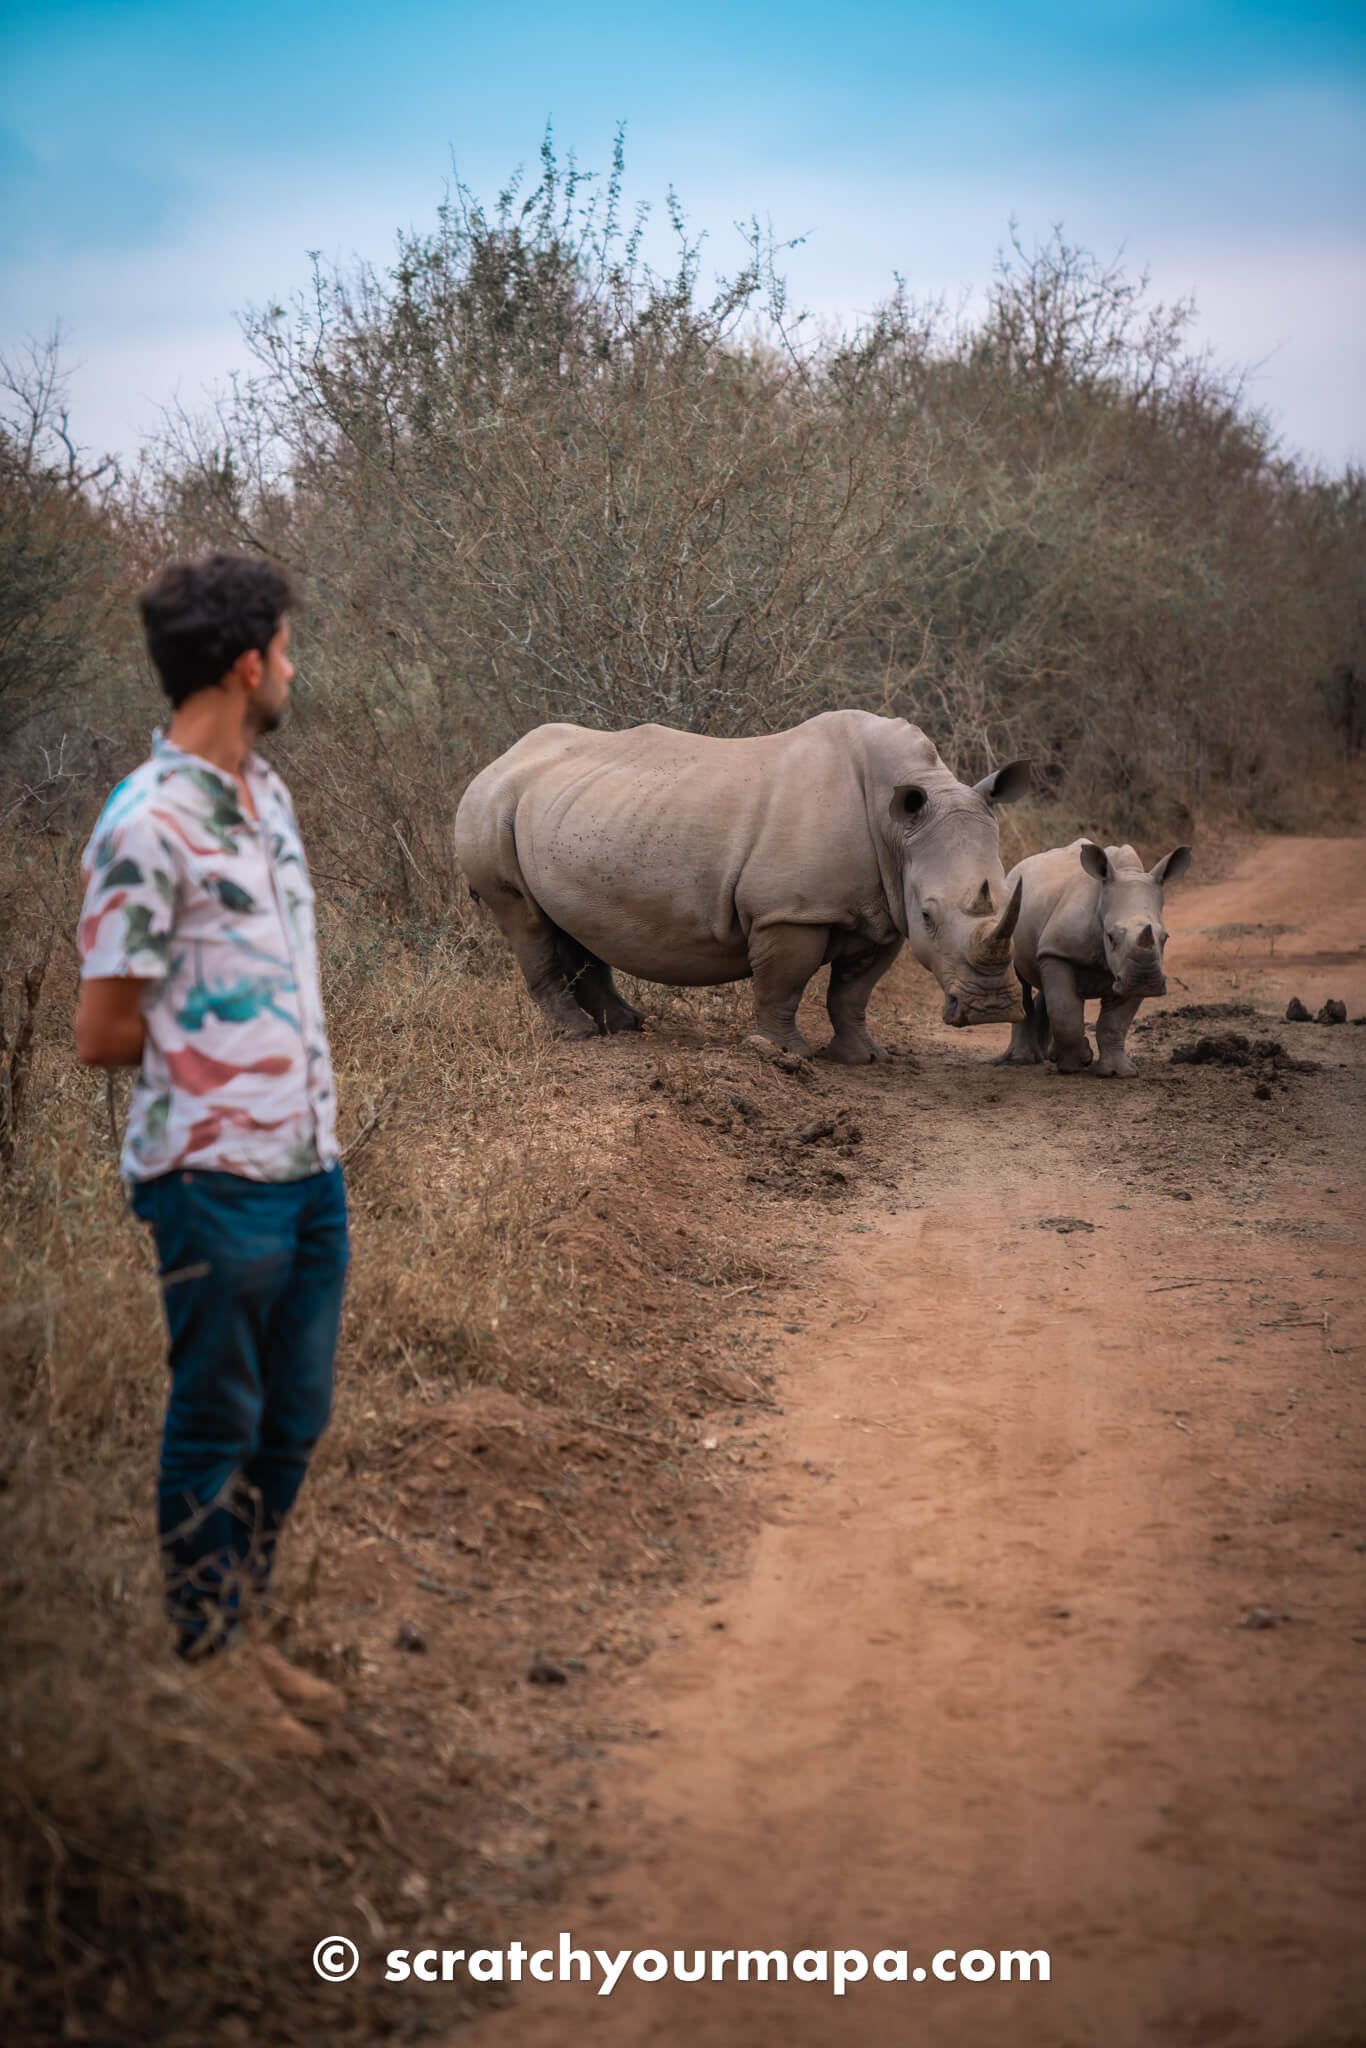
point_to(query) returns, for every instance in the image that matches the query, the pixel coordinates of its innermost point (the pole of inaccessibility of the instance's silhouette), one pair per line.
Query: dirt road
(1082, 1398)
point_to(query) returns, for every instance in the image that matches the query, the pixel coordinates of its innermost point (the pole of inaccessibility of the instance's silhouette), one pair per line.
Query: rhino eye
(913, 800)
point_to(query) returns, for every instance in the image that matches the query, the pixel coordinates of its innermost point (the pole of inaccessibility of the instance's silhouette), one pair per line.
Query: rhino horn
(1145, 940)
(991, 947)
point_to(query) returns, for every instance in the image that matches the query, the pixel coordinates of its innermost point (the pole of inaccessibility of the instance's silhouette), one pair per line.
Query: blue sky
(163, 166)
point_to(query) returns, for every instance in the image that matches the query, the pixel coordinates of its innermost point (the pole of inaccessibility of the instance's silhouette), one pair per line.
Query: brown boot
(282, 1735)
(312, 1699)
(233, 1680)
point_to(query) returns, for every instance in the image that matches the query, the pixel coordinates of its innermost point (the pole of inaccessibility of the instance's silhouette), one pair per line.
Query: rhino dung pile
(1233, 1049)
(1334, 1011)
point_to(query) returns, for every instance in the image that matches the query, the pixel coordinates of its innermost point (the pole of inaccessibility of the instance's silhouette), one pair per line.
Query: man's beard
(265, 721)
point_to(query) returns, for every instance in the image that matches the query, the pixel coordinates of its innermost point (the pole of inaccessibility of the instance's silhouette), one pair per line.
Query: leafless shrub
(56, 544)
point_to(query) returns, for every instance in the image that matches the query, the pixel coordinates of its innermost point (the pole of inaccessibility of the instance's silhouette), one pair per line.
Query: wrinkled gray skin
(690, 861)
(1090, 925)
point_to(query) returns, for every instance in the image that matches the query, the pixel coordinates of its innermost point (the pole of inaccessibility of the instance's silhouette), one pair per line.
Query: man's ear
(1094, 861)
(1005, 785)
(248, 669)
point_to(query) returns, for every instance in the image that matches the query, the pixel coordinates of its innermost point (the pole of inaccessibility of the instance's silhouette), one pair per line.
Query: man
(199, 967)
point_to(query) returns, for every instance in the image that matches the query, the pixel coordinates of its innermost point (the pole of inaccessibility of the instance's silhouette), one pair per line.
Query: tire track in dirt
(985, 1682)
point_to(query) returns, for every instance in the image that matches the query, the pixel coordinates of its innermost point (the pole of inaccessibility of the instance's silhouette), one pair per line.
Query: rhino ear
(1005, 785)
(908, 801)
(1171, 867)
(1093, 859)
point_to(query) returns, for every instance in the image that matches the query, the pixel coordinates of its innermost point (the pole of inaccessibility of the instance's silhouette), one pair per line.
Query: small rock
(1181, 1195)
(730, 1383)
(543, 1672)
(1262, 1092)
(1058, 1613)
(1064, 1225)
(1258, 1617)
(409, 1637)
(1333, 1012)
(1297, 1012)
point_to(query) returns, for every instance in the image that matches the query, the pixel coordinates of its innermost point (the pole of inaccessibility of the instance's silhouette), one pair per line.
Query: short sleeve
(130, 897)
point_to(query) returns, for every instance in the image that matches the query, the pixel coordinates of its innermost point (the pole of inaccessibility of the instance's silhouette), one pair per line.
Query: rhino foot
(1072, 1059)
(793, 1047)
(624, 1019)
(576, 1032)
(1116, 1066)
(1017, 1059)
(853, 1052)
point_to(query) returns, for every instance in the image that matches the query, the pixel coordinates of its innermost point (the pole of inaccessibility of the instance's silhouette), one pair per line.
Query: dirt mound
(1206, 1012)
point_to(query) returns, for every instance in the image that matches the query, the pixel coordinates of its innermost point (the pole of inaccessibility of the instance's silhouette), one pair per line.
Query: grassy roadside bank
(564, 1261)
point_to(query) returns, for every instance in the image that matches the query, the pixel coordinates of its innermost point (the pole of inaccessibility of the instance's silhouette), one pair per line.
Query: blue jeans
(252, 1280)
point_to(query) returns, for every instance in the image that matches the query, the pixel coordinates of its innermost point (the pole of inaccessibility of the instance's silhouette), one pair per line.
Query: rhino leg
(545, 956)
(782, 959)
(1026, 1033)
(1066, 1016)
(1111, 1032)
(853, 977)
(590, 981)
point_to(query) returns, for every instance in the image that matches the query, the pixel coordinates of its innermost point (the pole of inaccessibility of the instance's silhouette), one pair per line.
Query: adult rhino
(689, 860)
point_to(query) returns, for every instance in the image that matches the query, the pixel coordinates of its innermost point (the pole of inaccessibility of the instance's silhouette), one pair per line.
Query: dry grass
(531, 1335)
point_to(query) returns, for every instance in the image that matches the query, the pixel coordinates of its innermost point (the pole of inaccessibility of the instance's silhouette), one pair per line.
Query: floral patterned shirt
(213, 910)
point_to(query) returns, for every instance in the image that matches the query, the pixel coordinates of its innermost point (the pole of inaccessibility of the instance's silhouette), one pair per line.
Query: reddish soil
(1059, 1411)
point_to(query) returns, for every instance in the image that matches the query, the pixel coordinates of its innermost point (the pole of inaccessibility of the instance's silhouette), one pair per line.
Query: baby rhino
(1090, 925)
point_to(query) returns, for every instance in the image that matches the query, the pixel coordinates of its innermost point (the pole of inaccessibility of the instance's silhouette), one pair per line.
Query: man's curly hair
(199, 618)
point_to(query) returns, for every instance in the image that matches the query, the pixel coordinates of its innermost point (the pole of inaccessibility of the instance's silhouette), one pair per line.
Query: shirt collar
(166, 750)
